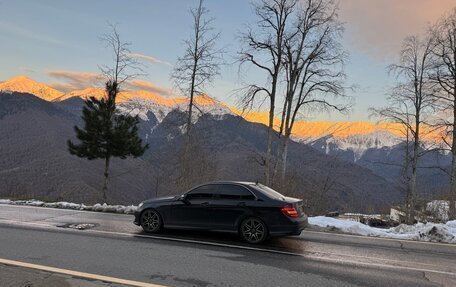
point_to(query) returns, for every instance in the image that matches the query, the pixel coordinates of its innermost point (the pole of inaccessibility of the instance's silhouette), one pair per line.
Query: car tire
(151, 221)
(253, 230)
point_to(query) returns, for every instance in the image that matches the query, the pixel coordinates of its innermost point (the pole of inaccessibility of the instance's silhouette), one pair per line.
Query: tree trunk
(411, 198)
(190, 106)
(106, 177)
(186, 164)
(284, 156)
(452, 197)
(267, 162)
(412, 181)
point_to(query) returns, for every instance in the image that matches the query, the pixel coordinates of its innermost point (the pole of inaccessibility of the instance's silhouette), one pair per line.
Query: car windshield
(270, 192)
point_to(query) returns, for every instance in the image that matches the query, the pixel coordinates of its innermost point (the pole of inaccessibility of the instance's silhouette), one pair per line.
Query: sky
(58, 41)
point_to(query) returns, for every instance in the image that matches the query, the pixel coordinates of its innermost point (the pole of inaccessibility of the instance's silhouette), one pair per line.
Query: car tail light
(290, 211)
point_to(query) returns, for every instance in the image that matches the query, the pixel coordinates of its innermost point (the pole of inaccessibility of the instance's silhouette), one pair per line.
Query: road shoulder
(13, 276)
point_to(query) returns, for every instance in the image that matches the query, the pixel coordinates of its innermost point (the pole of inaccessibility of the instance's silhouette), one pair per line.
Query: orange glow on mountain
(23, 84)
(301, 129)
(146, 95)
(344, 129)
(305, 129)
(204, 100)
(84, 94)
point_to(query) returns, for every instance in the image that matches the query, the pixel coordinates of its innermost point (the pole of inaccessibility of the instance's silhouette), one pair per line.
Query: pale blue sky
(47, 35)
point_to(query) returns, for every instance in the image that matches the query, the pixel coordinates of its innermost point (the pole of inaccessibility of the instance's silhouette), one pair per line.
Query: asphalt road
(114, 247)
(11, 276)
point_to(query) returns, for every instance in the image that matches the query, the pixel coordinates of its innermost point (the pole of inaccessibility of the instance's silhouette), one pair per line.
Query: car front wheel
(151, 221)
(253, 230)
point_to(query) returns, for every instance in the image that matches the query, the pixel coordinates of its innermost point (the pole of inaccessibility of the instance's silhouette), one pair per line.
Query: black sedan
(252, 210)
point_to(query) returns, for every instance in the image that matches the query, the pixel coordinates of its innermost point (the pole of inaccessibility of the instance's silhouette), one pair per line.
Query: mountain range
(347, 166)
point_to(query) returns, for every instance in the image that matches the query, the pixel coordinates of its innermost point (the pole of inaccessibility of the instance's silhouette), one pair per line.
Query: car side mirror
(183, 198)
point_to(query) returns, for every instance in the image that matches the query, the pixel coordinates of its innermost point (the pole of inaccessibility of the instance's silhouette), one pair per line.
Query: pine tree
(106, 133)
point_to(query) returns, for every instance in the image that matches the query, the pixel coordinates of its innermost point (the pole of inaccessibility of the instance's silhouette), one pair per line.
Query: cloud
(64, 88)
(79, 81)
(148, 86)
(149, 59)
(75, 80)
(377, 27)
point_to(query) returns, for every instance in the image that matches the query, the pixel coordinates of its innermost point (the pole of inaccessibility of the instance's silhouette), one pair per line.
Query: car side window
(204, 192)
(233, 192)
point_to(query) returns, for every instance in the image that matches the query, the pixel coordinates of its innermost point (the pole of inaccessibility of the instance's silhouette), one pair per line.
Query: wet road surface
(113, 246)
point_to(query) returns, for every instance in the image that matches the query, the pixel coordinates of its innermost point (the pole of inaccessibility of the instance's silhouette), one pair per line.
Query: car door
(193, 211)
(232, 201)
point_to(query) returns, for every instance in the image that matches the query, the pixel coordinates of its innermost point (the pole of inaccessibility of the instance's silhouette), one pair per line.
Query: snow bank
(114, 208)
(431, 232)
(77, 206)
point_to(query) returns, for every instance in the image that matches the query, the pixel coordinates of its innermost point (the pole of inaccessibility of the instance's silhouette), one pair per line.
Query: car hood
(161, 199)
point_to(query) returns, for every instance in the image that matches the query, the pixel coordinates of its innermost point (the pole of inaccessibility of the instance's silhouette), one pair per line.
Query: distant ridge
(24, 84)
(302, 130)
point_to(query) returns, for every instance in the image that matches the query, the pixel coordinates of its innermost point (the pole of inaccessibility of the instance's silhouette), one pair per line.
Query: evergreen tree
(106, 133)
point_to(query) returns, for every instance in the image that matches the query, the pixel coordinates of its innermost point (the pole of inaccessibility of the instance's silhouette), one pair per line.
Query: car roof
(232, 182)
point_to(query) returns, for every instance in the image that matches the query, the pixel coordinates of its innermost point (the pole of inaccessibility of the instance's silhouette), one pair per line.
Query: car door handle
(241, 204)
(205, 203)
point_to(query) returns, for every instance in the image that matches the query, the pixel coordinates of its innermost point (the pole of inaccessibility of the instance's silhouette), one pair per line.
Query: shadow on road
(286, 244)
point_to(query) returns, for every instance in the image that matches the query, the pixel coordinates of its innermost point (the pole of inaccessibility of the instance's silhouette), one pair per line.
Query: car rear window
(269, 192)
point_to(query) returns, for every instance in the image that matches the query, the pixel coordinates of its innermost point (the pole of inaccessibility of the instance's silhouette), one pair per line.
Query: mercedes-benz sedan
(252, 210)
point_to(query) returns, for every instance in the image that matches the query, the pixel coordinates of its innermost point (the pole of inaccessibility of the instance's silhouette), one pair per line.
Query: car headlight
(141, 204)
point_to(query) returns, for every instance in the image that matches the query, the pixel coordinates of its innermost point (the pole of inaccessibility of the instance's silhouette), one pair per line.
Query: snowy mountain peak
(204, 100)
(124, 96)
(358, 143)
(145, 106)
(83, 94)
(355, 136)
(24, 84)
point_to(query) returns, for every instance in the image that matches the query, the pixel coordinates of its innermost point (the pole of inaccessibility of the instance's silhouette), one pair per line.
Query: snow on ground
(78, 206)
(431, 232)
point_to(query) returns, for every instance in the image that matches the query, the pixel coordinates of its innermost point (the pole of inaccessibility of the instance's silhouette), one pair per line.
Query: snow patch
(143, 108)
(430, 232)
(357, 143)
(76, 206)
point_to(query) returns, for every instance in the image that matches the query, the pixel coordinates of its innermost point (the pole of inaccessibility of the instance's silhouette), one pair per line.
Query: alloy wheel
(150, 221)
(253, 230)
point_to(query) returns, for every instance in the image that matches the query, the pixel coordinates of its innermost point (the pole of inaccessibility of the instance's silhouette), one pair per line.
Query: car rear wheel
(253, 230)
(151, 221)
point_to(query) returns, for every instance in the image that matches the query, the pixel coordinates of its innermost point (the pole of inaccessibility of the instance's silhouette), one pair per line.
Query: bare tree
(444, 50)
(125, 66)
(201, 61)
(313, 60)
(410, 104)
(263, 49)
